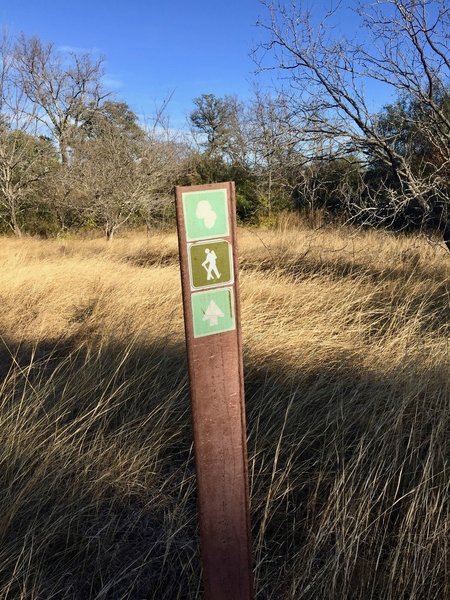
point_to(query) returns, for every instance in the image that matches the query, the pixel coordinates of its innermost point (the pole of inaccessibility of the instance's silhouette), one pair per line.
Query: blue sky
(154, 48)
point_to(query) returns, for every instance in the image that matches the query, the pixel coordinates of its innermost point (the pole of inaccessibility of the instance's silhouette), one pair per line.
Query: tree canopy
(79, 157)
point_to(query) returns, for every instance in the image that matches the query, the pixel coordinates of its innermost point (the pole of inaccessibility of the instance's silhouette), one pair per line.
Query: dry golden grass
(346, 341)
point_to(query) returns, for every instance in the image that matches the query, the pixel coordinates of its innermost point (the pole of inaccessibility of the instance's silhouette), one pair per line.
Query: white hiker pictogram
(209, 264)
(205, 212)
(213, 314)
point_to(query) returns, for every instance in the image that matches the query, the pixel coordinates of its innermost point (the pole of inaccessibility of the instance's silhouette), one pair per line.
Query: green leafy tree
(217, 122)
(222, 130)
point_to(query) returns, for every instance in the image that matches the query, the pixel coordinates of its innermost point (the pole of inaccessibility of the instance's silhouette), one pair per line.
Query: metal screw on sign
(206, 218)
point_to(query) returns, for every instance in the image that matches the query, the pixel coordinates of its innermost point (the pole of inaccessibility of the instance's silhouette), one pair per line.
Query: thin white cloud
(79, 49)
(111, 82)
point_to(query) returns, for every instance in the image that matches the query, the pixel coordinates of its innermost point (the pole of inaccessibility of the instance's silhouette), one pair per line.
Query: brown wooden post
(206, 217)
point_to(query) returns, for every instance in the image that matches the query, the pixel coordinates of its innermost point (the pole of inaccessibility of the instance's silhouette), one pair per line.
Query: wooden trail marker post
(209, 276)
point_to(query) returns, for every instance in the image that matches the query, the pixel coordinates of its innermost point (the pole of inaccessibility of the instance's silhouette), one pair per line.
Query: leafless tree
(164, 154)
(275, 148)
(25, 159)
(63, 91)
(406, 50)
(120, 175)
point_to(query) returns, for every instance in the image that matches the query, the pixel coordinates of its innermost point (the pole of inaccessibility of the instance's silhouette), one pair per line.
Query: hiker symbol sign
(210, 264)
(206, 217)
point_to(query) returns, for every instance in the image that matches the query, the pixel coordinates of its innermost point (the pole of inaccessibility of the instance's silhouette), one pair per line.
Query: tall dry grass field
(346, 340)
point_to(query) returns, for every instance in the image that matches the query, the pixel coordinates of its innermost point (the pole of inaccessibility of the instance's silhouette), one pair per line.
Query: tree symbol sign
(213, 314)
(205, 212)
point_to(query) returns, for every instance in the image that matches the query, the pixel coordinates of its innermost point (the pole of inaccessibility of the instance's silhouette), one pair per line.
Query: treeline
(73, 158)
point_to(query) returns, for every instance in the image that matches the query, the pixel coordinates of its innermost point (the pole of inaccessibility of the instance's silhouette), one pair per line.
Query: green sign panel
(213, 311)
(210, 263)
(205, 214)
